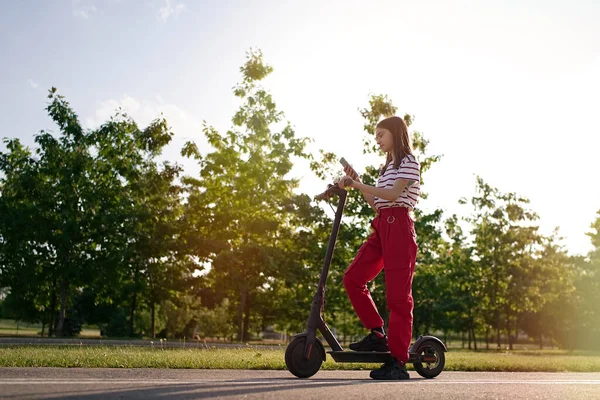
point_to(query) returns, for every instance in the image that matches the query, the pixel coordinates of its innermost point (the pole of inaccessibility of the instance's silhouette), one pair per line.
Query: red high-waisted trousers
(393, 247)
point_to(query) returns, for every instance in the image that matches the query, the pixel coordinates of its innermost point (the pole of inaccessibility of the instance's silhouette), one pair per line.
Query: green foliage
(247, 199)
(94, 229)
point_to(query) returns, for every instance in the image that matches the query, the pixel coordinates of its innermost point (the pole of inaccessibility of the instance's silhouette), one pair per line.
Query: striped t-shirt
(408, 169)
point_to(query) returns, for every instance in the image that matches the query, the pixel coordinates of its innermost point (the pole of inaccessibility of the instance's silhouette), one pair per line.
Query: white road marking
(25, 381)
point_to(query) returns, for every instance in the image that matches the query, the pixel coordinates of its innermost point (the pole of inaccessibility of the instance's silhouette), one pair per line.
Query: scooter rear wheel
(433, 357)
(297, 364)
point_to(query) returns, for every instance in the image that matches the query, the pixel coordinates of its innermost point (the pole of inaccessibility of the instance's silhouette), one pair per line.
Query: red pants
(393, 247)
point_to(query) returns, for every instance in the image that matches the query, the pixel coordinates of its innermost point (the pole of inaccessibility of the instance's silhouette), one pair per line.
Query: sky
(509, 91)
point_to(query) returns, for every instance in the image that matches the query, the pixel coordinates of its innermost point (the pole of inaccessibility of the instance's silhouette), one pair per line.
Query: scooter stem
(314, 319)
(333, 237)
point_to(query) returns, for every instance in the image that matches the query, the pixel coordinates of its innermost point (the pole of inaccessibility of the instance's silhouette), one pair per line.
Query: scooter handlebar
(332, 189)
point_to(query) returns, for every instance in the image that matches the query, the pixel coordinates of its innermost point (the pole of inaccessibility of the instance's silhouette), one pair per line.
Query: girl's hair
(402, 144)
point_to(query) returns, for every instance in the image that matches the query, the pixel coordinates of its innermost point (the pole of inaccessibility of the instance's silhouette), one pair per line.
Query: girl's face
(384, 139)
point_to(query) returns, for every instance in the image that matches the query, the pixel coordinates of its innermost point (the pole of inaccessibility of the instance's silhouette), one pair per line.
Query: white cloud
(83, 8)
(32, 83)
(184, 125)
(171, 7)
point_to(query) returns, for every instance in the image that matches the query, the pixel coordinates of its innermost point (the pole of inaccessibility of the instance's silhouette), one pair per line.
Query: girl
(392, 246)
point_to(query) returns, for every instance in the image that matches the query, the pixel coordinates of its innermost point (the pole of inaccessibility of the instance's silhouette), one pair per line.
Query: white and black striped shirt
(408, 169)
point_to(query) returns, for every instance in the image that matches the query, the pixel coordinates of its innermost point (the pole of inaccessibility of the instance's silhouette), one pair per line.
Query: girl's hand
(341, 182)
(351, 173)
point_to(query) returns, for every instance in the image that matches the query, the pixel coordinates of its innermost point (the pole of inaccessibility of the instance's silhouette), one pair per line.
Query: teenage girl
(392, 246)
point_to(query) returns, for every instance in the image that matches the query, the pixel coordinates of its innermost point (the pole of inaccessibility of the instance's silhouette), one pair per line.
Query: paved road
(92, 384)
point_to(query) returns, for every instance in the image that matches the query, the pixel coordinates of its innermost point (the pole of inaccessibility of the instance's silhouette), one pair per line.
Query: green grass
(7, 331)
(8, 327)
(524, 361)
(136, 357)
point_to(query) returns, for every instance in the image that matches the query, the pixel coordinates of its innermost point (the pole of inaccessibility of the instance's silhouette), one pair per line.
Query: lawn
(257, 358)
(11, 328)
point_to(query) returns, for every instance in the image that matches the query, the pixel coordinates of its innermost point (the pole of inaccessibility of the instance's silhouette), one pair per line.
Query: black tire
(295, 361)
(432, 369)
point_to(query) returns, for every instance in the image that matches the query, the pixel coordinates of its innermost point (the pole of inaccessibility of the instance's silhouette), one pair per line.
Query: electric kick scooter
(305, 353)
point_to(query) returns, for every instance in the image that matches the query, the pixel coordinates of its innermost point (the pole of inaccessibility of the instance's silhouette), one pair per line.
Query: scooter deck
(361, 356)
(367, 356)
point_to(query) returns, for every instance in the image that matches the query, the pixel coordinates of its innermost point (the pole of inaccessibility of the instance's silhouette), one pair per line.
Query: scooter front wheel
(295, 361)
(433, 360)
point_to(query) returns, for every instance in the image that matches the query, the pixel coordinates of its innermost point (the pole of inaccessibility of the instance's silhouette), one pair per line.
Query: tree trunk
(133, 302)
(51, 327)
(510, 342)
(43, 327)
(246, 336)
(153, 311)
(487, 337)
(495, 303)
(469, 336)
(462, 334)
(63, 307)
(132, 313)
(516, 338)
(241, 308)
(498, 344)
(474, 338)
(52, 322)
(541, 341)
(345, 330)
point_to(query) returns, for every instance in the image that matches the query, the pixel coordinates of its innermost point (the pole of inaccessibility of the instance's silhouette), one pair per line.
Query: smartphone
(345, 163)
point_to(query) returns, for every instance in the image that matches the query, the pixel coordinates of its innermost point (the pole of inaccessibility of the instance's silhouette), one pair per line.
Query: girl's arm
(390, 194)
(354, 176)
(370, 199)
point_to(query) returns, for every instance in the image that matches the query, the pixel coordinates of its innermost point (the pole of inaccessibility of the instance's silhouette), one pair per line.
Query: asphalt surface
(88, 384)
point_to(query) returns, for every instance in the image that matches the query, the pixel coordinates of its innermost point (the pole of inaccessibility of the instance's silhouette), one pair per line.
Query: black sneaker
(371, 342)
(391, 371)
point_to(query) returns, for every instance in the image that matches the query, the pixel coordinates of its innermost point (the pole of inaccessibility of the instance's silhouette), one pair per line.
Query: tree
(244, 191)
(586, 298)
(53, 246)
(93, 211)
(555, 314)
(520, 270)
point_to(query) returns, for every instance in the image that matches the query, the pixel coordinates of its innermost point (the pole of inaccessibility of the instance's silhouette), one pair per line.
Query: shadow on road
(216, 390)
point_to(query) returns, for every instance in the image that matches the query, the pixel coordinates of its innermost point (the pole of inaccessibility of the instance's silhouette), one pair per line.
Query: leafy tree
(245, 191)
